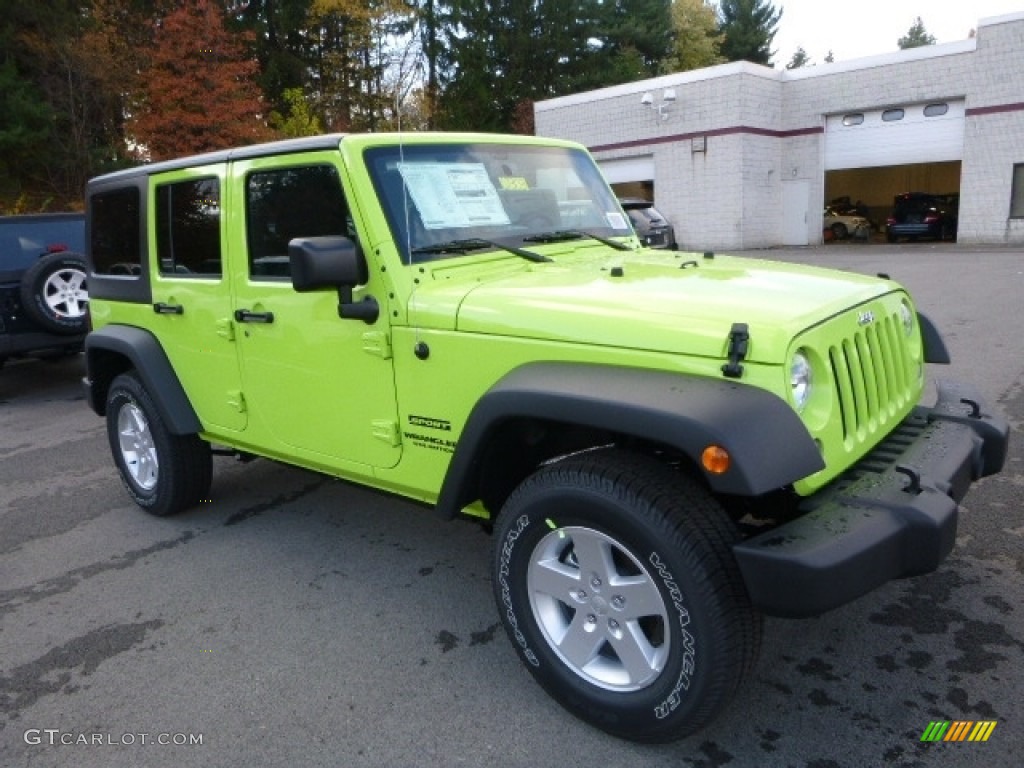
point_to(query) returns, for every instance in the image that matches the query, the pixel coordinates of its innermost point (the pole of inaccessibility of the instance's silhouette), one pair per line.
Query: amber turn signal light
(715, 459)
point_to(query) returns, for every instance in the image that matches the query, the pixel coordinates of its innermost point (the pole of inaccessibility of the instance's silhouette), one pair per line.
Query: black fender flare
(769, 445)
(106, 351)
(934, 346)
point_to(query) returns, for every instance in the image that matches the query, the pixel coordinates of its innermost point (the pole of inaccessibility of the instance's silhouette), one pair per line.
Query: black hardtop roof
(285, 146)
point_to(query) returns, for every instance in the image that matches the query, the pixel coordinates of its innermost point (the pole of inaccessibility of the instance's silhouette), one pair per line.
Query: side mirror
(326, 262)
(332, 262)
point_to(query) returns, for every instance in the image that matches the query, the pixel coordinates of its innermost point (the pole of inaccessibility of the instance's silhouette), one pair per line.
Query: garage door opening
(875, 188)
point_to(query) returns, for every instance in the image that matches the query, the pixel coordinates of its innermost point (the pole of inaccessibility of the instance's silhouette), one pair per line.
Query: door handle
(245, 316)
(168, 309)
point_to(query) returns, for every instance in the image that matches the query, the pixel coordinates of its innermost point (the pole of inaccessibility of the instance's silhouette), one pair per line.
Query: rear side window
(114, 232)
(285, 203)
(188, 228)
(24, 239)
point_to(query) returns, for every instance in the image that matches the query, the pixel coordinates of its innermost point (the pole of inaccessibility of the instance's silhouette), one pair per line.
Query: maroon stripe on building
(974, 111)
(713, 132)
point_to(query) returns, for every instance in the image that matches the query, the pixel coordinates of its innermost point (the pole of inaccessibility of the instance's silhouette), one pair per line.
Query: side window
(286, 203)
(114, 232)
(188, 228)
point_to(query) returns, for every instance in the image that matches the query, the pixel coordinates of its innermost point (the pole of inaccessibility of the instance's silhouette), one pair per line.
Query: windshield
(438, 198)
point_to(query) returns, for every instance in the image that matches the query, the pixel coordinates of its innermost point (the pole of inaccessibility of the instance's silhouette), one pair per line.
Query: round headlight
(907, 316)
(800, 379)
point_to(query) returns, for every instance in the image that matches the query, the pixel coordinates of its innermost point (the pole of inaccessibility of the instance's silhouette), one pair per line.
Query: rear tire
(615, 580)
(163, 472)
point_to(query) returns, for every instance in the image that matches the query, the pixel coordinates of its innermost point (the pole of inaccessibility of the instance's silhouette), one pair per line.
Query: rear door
(192, 292)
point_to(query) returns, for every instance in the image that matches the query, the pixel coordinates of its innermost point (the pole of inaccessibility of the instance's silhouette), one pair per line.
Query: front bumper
(893, 514)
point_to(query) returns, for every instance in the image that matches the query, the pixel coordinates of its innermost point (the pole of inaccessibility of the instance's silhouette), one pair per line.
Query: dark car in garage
(43, 293)
(920, 214)
(650, 226)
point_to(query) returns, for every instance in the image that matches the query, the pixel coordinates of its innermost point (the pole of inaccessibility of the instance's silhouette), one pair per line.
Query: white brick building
(746, 156)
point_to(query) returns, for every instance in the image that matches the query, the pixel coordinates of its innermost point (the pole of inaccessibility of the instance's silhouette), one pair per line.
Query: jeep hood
(644, 303)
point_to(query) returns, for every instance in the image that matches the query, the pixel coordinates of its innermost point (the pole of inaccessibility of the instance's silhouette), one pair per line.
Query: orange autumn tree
(199, 88)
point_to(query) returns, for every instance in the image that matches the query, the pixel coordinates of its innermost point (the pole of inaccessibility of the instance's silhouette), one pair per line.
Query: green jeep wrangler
(666, 445)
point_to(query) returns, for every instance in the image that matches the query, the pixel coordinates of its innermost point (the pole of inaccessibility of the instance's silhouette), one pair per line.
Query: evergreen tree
(282, 44)
(697, 40)
(916, 36)
(635, 39)
(504, 52)
(800, 59)
(749, 26)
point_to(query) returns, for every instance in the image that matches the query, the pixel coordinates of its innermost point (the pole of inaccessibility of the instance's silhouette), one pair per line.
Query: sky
(853, 29)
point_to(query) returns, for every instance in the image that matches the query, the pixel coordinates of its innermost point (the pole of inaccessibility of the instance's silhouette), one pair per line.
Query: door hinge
(739, 339)
(386, 430)
(226, 329)
(236, 400)
(377, 343)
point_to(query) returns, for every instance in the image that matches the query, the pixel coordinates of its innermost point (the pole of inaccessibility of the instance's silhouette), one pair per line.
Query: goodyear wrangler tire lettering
(631, 611)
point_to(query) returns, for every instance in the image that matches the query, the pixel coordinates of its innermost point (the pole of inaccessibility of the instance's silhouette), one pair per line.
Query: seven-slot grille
(874, 375)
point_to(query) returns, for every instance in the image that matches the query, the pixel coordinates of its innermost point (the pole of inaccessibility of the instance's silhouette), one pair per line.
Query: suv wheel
(163, 472)
(616, 583)
(839, 231)
(53, 293)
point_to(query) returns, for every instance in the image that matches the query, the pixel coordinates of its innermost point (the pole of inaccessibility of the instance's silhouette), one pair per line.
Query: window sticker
(451, 195)
(513, 182)
(616, 220)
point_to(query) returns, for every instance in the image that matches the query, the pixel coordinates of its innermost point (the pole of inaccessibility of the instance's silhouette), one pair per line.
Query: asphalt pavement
(295, 620)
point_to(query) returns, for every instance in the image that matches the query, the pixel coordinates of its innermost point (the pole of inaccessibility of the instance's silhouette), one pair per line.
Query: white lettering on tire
(506, 594)
(689, 665)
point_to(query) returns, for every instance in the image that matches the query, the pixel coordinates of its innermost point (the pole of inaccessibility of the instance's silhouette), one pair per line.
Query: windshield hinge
(377, 343)
(738, 341)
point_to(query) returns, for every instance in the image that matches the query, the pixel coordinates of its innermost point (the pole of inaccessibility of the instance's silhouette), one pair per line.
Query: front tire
(163, 472)
(617, 585)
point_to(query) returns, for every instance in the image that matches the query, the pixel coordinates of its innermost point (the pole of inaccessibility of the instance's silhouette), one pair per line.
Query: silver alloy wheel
(65, 294)
(138, 449)
(599, 609)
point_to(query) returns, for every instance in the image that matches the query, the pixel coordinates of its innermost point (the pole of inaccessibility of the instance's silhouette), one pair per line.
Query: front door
(319, 387)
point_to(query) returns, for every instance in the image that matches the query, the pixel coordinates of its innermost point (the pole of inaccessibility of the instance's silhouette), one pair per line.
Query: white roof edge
(1005, 18)
(883, 59)
(638, 87)
(664, 81)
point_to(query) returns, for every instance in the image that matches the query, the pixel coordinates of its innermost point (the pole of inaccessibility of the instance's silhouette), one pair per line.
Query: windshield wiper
(475, 244)
(574, 234)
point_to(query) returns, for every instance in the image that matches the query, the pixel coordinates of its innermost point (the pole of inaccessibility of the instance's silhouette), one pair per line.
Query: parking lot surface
(294, 620)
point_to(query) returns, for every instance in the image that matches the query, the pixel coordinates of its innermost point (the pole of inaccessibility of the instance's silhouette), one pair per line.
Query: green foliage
(749, 27)
(916, 36)
(800, 59)
(25, 124)
(697, 41)
(88, 86)
(299, 119)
